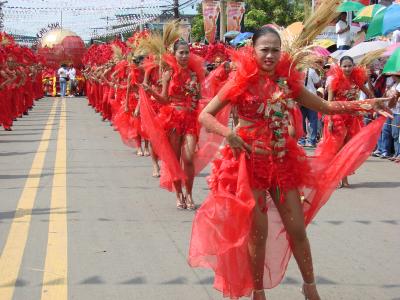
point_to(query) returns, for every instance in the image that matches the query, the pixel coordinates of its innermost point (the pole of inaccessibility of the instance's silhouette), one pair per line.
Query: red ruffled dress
(222, 225)
(128, 125)
(345, 126)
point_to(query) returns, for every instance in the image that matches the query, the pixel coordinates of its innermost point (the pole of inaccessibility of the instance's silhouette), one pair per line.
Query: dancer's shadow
(374, 185)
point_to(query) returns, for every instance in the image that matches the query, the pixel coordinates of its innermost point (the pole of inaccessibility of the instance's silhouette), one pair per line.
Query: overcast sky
(29, 16)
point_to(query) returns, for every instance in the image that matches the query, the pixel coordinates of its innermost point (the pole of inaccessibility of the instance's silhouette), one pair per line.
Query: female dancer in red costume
(180, 93)
(344, 84)
(239, 232)
(128, 120)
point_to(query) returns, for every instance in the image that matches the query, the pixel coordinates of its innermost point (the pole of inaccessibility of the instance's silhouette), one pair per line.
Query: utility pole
(61, 18)
(176, 9)
(2, 15)
(223, 20)
(141, 15)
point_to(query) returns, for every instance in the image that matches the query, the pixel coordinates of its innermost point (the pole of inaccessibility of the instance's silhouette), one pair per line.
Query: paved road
(82, 218)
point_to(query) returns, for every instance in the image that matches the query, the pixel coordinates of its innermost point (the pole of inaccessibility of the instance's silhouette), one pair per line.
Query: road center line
(11, 257)
(55, 278)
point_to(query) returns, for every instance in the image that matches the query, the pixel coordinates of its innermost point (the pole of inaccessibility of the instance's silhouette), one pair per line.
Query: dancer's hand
(136, 113)
(237, 145)
(381, 106)
(145, 86)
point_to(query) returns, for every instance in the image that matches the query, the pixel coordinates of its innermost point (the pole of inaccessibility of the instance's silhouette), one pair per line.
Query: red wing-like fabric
(221, 231)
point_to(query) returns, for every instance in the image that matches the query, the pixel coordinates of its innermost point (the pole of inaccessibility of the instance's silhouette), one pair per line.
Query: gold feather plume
(300, 46)
(117, 53)
(157, 45)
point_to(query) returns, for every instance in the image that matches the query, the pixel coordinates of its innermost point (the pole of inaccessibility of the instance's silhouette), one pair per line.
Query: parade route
(82, 218)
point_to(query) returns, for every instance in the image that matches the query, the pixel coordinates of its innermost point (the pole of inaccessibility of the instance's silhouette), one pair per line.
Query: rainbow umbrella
(350, 6)
(393, 64)
(391, 20)
(367, 13)
(375, 27)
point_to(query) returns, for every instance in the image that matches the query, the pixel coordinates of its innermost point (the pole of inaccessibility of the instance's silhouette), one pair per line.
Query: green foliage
(280, 12)
(198, 28)
(254, 19)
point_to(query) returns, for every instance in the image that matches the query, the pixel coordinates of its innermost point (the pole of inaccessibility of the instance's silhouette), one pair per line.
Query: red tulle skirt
(183, 122)
(222, 225)
(128, 126)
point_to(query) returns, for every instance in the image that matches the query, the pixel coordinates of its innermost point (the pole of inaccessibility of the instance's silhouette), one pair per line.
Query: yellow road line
(11, 257)
(55, 278)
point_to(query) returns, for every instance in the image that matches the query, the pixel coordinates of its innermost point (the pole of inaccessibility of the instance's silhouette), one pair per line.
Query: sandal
(156, 174)
(139, 153)
(180, 201)
(190, 205)
(258, 292)
(306, 292)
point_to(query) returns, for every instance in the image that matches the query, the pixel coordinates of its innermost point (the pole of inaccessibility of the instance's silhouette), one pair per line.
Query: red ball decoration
(60, 46)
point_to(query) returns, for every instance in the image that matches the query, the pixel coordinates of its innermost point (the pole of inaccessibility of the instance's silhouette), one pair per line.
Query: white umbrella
(337, 54)
(358, 52)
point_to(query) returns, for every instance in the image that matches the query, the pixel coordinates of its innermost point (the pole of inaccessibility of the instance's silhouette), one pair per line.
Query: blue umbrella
(241, 37)
(391, 20)
(231, 34)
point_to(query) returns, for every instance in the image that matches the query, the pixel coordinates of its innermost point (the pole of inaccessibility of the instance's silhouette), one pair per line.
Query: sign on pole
(211, 10)
(235, 12)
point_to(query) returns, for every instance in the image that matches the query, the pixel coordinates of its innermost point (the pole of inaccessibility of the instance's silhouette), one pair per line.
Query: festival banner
(234, 12)
(211, 10)
(185, 30)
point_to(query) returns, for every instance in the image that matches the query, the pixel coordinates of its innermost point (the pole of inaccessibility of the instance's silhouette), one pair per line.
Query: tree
(283, 13)
(254, 19)
(198, 28)
(198, 24)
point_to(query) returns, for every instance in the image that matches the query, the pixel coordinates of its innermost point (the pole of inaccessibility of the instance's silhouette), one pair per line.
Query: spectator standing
(313, 81)
(385, 147)
(395, 91)
(72, 80)
(343, 33)
(63, 76)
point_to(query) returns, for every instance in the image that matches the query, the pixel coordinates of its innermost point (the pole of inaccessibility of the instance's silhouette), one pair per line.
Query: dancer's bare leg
(146, 148)
(139, 151)
(176, 144)
(154, 161)
(257, 243)
(189, 146)
(291, 212)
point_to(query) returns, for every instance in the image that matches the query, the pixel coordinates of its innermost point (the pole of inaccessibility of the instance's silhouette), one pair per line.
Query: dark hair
(346, 58)
(178, 43)
(264, 31)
